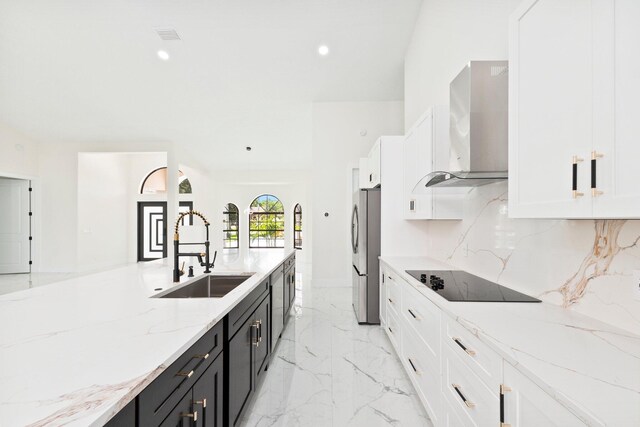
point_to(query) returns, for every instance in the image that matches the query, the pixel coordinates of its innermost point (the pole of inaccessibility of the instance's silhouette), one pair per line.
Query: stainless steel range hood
(478, 127)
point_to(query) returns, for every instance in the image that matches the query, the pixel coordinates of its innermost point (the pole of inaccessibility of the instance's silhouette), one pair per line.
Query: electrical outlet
(636, 284)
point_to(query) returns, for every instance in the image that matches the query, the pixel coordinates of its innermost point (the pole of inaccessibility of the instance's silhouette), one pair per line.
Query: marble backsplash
(582, 265)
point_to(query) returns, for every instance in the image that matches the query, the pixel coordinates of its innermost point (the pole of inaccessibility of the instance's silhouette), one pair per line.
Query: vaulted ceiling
(244, 72)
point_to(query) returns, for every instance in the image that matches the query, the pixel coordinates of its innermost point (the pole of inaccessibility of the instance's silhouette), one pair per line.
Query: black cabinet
(160, 397)
(248, 359)
(289, 283)
(125, 418)
(182, 415)
(208, 395)
(240, 369)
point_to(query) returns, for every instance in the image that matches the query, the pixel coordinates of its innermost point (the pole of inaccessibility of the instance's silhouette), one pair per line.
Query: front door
(15, 226)
(152, 228)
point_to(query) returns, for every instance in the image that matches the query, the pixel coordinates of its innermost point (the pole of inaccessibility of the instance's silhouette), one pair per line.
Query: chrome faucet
(177, 272)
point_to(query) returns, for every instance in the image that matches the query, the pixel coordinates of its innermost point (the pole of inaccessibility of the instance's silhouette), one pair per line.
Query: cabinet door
(417, 162)
(261, 347)
(526, 405)
(616, 137)
(375, 177)
(292, 286)
(277, 305)
(287, 296)
(183, 414)
(241, 369)
(125, 418)
(363, 173)
(551, 107)
(208, 395)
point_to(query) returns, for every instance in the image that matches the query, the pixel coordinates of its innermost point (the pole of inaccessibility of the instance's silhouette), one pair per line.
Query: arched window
(266, 222)
(231, 226)
(156, 182)
(297, 227)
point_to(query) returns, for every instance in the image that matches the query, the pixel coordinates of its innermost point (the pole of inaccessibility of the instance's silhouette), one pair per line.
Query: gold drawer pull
(462, 346)
(193, 415)
(202, 402)
(185, 374)
(413, 315)
(469, 404)
(201, 356)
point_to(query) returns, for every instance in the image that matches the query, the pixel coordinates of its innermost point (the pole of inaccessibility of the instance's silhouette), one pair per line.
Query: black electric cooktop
(457, 285)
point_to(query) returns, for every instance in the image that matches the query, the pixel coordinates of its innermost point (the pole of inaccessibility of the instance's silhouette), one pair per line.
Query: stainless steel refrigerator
(365, 245)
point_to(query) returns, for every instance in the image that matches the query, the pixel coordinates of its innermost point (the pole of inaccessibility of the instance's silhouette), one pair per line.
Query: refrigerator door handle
(354, 230)
(358, 271)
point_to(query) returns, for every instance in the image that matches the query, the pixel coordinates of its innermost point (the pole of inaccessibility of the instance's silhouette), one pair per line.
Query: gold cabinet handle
(467, 402)
(594, 187)
(193, 415)
(257, 341)
(201, 356)
(574, 182)
(184, 374)
(202, 402)
(413, 314)
(462, 346)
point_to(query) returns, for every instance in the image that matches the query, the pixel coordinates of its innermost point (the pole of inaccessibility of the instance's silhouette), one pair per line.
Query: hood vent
(478, 127)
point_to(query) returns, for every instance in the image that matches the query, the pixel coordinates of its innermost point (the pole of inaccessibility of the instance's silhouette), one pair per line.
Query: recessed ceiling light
(248, 148)
(163, 54)
(323, 50)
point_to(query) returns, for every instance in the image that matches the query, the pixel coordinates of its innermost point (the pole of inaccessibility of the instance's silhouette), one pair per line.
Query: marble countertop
(77, 351)
(591, 367)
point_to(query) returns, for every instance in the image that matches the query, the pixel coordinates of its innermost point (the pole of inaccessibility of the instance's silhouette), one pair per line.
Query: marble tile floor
(329, 371)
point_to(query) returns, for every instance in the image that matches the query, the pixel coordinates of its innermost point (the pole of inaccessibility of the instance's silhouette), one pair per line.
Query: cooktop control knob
(423, 278)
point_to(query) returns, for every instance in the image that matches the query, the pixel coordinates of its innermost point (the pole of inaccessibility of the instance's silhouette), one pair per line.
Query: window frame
(269, 213)
(226, 213)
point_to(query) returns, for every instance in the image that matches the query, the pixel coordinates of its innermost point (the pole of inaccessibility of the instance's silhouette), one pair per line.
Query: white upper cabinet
(573, 82)
(426, 150)
(370, 170)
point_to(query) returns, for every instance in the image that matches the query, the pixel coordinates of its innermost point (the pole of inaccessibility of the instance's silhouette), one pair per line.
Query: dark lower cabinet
(248, 359)
(125, 418)
(208, 395)
(182, 415)
(240, 369)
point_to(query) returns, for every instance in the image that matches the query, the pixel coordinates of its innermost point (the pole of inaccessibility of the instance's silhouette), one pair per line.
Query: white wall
(447, 35)
(337, 146)
(539, 257)
(18, 154)
(103, 202)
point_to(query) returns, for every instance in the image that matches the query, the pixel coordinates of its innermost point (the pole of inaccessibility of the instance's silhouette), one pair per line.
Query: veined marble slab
(74, 353)
(591, 367)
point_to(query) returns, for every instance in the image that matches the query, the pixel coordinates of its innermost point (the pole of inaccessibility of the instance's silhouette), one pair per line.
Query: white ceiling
(244, 73)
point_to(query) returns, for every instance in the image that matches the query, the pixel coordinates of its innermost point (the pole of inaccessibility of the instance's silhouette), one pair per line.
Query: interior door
(152, 228)
(15, 226)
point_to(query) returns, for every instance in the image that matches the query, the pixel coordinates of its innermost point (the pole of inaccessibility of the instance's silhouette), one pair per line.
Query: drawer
(393, 291)
(393, 331)
(383, 299)
(451, 417)
(164, 393)
(486, 363)
(423, 317)
(424, 374)
(468, 396)
(246, 307)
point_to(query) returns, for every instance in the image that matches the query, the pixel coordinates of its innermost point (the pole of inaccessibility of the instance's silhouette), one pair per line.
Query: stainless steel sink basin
(208, 286)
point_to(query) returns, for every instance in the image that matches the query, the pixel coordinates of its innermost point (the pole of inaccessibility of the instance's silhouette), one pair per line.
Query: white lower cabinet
(458, 377)
(424, 374)
(469, 397)
(527, 405)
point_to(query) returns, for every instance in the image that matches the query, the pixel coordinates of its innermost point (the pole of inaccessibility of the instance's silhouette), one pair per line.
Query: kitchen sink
(208, 286)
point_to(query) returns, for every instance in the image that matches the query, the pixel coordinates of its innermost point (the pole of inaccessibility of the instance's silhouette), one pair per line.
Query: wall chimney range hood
(478, 128)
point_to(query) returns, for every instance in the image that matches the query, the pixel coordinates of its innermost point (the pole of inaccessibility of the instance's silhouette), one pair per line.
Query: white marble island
(77, 351)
